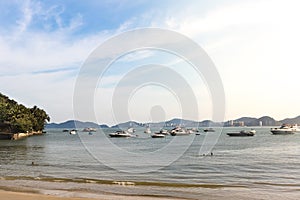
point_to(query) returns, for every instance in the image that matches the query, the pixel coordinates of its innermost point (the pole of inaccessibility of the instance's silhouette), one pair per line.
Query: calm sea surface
(260, 167)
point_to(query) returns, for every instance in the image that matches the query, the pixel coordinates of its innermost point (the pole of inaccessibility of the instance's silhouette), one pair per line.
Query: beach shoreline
(13, 195)
(22, 195)
(43, 190)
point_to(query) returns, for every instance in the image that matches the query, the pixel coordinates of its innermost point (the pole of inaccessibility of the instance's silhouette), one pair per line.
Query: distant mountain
(268, 121)
(128, 124)
(207, 123)
(295, 120)
(182, 122)
(75, 124)
(251, 121)
(170, 123)
(248, 121)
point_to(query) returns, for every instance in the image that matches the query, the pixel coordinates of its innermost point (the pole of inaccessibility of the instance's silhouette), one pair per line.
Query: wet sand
(45, 190)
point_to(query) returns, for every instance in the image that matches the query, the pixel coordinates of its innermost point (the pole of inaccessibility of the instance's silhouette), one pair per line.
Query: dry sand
(7, 195)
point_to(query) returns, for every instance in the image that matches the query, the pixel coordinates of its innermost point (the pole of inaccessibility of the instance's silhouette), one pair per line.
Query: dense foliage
(19, 118)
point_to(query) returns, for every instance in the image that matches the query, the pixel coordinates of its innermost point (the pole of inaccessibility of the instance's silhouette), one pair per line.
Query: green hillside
(16, 117)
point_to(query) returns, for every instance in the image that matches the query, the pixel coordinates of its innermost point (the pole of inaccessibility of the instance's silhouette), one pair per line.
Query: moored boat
(242, 133)
(285, 129)
(163, 132)
(121, 134)
(158, 135)
(147, 130)
(130, 130)
(89, 130)
(73, 132)
(178, 131)
(209, 130)
(192, 130)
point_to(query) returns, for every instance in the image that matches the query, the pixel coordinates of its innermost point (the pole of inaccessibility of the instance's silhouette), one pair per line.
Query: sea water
(260, 167)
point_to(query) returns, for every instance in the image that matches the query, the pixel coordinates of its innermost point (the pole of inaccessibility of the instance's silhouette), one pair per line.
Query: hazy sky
(253, 44)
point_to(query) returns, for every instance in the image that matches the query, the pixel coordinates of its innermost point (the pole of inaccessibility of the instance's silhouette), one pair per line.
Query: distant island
(243, 121)
(16, 118)
(71, 124)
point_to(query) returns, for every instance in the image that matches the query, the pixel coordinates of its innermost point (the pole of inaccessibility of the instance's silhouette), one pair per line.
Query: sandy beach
(31, 196)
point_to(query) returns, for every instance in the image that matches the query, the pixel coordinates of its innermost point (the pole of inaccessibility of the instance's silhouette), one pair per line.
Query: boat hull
(285, 129)
(282, 132)
(119, 136)
(208, 130)
(73, 132)
(240, 134)
(179, 133)
(158, 136)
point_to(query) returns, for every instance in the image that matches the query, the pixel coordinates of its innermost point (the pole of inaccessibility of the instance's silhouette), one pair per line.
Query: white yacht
(178, 131)
(158, 135)
(73, 132)
(130, 130)
(121, 134)
(285, 129)
(89, 130)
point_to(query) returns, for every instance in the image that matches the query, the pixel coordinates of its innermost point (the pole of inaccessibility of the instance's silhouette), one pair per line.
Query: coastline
(17, 136)
(45, 190)
(31, 196)
(18, 189)
(21, 195)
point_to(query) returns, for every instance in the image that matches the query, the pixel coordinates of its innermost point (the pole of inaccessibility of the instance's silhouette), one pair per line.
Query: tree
(21, 118)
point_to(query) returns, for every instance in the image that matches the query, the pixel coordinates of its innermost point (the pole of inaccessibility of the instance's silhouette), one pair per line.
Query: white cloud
(50, 91)
(40, 67)
(252, 43)
(27, 17)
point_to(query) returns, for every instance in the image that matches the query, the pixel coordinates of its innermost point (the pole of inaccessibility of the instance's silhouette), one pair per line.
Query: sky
(254, 45)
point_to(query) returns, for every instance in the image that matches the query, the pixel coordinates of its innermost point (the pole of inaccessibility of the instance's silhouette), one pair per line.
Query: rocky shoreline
(17, 136)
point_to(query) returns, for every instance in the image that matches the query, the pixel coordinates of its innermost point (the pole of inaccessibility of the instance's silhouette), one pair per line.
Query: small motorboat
(178, 131)
(242, 133)
(65, 130)
(121, 134)
(73, 132)
(147, 130)
(164, 132)
(158, 135)
(130, 130)
(285, 129)
(192, 130)
(209, 130)
(89, 130)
